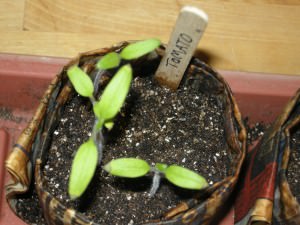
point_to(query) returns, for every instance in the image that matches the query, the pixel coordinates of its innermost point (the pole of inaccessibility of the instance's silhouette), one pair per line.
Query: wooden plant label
(190, 26)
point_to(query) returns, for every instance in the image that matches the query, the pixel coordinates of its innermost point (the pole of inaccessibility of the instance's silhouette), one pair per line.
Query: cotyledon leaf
(140, 48)
(83, 168)
(185, 178)
(81, 81)
(114, 94)
(127, 167)
(109, 61)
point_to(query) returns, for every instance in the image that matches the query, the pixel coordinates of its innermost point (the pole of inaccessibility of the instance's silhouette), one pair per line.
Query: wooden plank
(276, 2)
(239, 19)
(11, 15)
(99, 16)
(223, 53)
(247, 35)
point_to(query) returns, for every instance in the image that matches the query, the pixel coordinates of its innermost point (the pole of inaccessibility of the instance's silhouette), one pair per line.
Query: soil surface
(183, 127)
(254, 131)
(293, 170)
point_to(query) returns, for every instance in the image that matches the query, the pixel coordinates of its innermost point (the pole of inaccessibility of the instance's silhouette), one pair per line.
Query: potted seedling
(90, 153)
(155, 124)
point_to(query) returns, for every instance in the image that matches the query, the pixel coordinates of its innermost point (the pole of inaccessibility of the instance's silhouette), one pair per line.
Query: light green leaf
(109, 125)
(161, 167)
(81, 81)
(83, 168)
(127, 167)
(114, 94)
(110, 60)
(140, 48)
(185, 178)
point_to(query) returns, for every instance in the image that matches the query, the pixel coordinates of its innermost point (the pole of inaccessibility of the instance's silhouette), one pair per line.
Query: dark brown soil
(293, 170)
(183, 127)
(254, 131)
(29, 209)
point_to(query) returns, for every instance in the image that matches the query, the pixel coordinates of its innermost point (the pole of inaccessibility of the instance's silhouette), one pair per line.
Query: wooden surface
(242, 35)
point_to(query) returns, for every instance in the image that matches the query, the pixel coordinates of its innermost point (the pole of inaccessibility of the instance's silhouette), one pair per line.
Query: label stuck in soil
(189, 28)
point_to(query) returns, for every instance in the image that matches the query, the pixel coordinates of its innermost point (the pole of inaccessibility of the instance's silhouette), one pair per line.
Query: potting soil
(293, 169)
(185, 127)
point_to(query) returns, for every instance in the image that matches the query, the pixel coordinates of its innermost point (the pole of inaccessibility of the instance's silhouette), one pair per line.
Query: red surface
(6, 215)
(4, 143)
(261, 96)
(23, 79)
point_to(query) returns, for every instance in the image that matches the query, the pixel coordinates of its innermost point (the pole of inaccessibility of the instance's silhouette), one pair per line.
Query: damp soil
(185, 127)
(293, 169)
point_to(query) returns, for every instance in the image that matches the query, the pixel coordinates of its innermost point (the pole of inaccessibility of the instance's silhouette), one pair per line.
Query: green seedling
(105, 108)
(177, 175)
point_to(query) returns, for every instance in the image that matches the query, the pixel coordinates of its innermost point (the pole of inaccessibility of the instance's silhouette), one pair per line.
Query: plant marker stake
(189, 28)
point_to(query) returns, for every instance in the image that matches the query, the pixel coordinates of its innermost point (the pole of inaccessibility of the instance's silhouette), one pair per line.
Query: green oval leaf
(83, 168)
(185, 178)
(81, 81)
(114, 94)
(140, 48)
(110, 60)
(127, 167)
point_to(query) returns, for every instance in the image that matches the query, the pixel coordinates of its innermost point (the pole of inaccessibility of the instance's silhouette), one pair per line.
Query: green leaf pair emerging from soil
(177, 175)
(105, 109)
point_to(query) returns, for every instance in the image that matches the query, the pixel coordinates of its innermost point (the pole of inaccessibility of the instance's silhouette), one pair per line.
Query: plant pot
(265, 194)
(260, 97)
(287, 195)
(32, 146)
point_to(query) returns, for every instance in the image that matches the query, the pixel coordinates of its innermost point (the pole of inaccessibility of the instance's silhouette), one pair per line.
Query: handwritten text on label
(183, 42)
